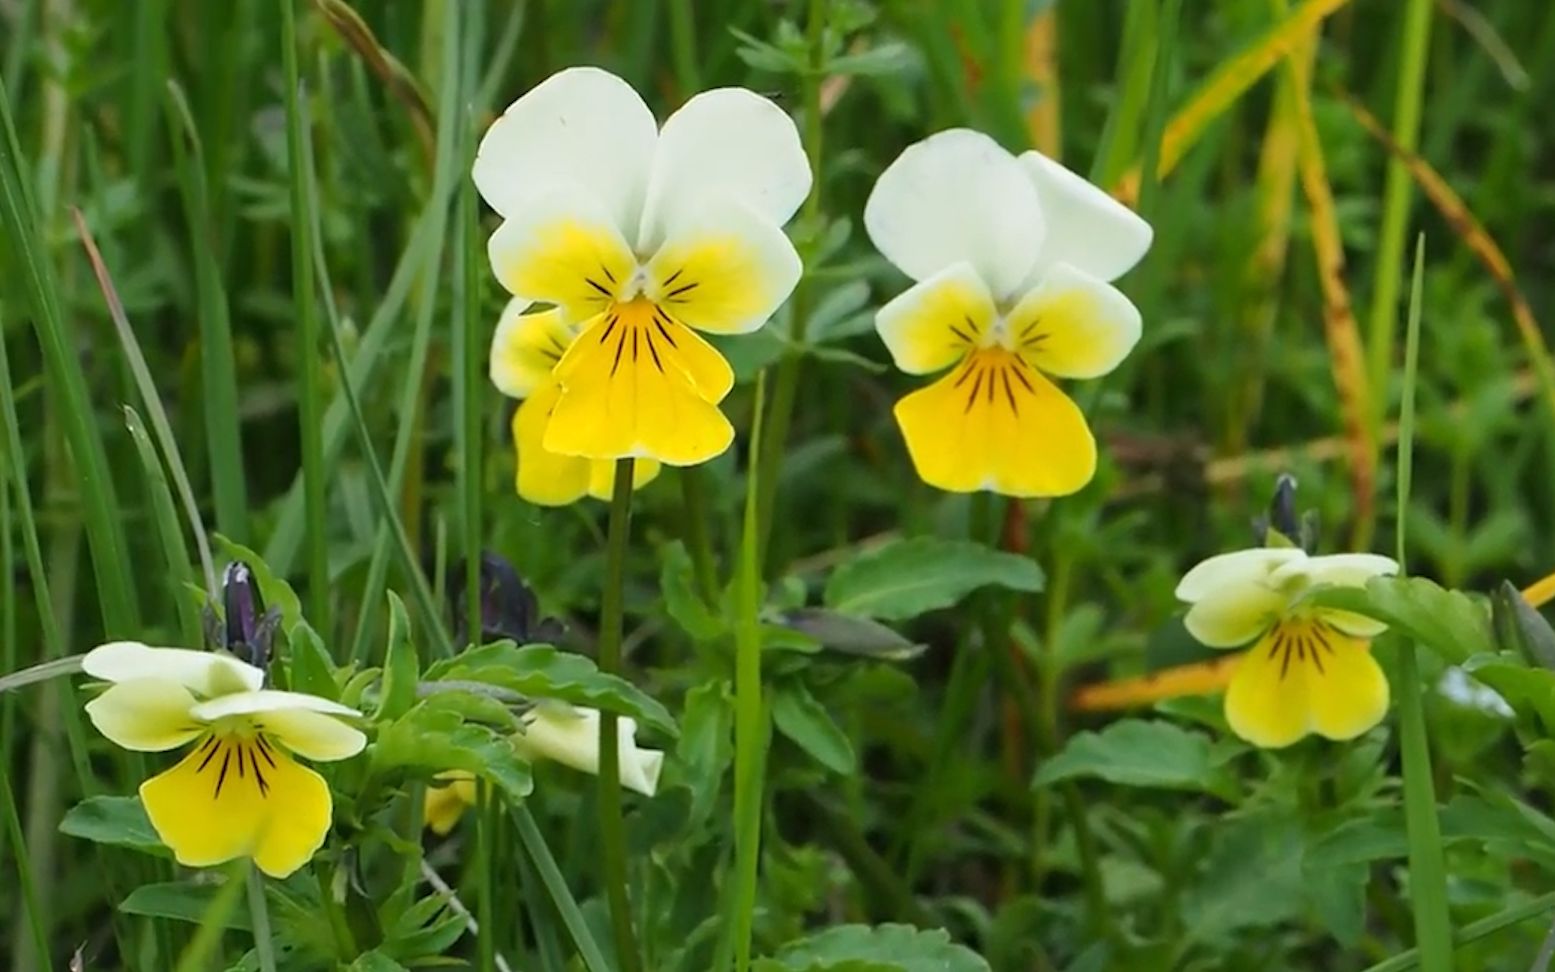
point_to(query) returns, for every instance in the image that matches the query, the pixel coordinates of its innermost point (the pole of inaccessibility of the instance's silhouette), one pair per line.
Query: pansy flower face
(238, 793)
(1012, 258)
(1310, 668)
(640, 237)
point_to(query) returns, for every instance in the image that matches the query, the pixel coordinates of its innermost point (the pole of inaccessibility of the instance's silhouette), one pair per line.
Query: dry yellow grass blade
(1042, 118)
(1473, 235)
(1228, 83)
(401, 84)
(1340, 330)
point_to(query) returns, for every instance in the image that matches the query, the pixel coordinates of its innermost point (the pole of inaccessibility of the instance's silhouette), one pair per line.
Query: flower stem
(611, 822)
(259, 916)
(750, 732)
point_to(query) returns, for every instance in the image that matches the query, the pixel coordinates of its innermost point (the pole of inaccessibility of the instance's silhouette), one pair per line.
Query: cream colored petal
(581, 126)
(314, 735)
(148, 715)
(1351, 623)
(1073, 325)
(1234, 614)
(268, 700)
(1086, 227)
(1240, 566)
(1338, 570)
(206, 673)
(570, 736)
(526, 347)
(957, 197)
(728, 142)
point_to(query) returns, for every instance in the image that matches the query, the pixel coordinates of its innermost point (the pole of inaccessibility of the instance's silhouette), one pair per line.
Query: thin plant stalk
(259, 917)
(611, 812)
(1427, 869)
(556, 886)
(467, 341)
(1539, 907)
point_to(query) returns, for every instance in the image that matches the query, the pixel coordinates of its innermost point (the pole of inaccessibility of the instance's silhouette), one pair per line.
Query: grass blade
(165, 515)
(561, 896)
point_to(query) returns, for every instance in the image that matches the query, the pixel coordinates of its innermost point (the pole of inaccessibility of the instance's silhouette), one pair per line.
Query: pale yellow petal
(1073, 325)
(148, 715)
(561, 251)
(725, 270)
(1349, 691)
(1237, 567)
(1351, 623)
(1268, 702)
(526, 347)
(1235, 614)
(934, 324)
(239, 796)
(1338, 570)
(319, 737)
(995, 423)
(205, 673)
(570, 736)
(447, 800)
(545, 478)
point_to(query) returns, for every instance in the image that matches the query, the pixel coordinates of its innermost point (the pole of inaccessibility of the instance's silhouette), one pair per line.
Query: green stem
(556, 886)
(13, 826)
(750, 734)
(611, 814)
(786, 389)
(1427, 871)
(467, 339)
(259, 915)
(693, 491)
(1395, 199)
(310, 394)
(1539, 907)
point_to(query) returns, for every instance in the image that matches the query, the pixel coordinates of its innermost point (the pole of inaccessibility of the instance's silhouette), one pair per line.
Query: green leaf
(276, 592)
(1251, 879)
(800, 717)
(881, 948)
(375, 961)
(1529, 691)
(402, 669)
(1137, 752)
(543, 672)
(706, 745)
(907, 578)
(434, 736)
(852, 635)
(119, 821)
(681, 600)
(1520, 627)
(1450, 623)
(310, 669)
(180, 902)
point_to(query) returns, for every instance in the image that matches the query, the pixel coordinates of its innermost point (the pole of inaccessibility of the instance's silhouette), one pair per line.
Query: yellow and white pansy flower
(1310, 668)
(524, 350)
(238, 793)
(1012, 258)
(640, 237)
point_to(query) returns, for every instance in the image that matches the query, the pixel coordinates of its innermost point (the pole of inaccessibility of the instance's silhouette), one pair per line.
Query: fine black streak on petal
(648, 337)
(242, 758)
(264, 786)
(674, 276)
(208, 757)
(976, 387)
(610, 325)
(1317, 659)
(634, 344)
(664, 330)
(1023, 380)
(1322, 639)
(222, 776)
(965, 375)
(1009, 393)
(989, 396)
(264, 750)
(1281, 645)
(598, 286)
(209, 741)
(971, 324)
(683, 288)
(1034, 340)
(560, 347)
(608, 275)
(620, 346)
(960, 334)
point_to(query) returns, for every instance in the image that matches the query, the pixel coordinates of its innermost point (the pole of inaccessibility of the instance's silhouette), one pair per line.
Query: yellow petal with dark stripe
(1305, 676)
(995, 423)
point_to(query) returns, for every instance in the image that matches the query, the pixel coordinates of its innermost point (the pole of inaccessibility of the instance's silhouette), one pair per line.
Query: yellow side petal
(1268, 702)
(446, 803)
(725, 270)
(630, 389)
(148, 715)
(544, 477)
(1073, 325)
(934, 324)
(562, 252)
(1349, 691)
(602, 476)
(995, 423)
(236, 796)
(526, 347)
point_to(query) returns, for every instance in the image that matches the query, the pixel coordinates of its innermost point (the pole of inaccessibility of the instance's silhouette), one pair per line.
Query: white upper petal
(1086, 228)
(582, 125)
(148, 715)
(1338, 570)
(206, 673)
(1241, 566)
(570, 736)
(957, 195)
(268, 700)
(730, 142)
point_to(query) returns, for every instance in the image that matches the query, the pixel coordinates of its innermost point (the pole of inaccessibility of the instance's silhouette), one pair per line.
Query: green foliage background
(911, 779)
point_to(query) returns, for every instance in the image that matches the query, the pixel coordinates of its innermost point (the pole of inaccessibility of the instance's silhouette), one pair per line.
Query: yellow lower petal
(446, 803)
(239, 796)
(602, 475)
(995, 423)
(637, 384)
(544, 477)
(1305, 676)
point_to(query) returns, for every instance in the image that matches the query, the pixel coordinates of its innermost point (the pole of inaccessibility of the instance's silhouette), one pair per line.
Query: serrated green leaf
(1136, 752)
(375, 961)
(1450, 623)
(402, 665)
(434, 736)
(879, 948)
(543, 672)
(706, 745)
(799, 716)
(685, 606)
(309, 668)
(180, 901)
(907, 578)
(119, 821)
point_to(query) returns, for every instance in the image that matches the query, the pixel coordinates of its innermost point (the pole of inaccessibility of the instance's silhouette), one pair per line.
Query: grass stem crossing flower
(1011, 258)
(1310, 668)
(641, 237)
(238, 792)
